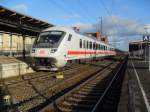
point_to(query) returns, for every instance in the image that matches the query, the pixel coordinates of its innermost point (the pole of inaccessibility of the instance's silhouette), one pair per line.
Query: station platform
(135, 94)
(10, 66)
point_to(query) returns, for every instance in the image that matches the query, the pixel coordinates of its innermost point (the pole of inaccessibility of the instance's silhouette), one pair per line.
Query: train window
(87, 45)
(93, 45)
(96, 46)
(100, 47)
(50, 37)
(69, 37)
(90, 45)
(80, 43)
(84, 43)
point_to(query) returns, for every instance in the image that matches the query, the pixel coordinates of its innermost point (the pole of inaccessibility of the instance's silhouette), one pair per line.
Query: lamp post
(149, 56)
(146, 29)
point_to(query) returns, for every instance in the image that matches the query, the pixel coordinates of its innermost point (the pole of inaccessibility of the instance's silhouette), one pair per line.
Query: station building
(140, 49)
(16, 44)
(18, 31)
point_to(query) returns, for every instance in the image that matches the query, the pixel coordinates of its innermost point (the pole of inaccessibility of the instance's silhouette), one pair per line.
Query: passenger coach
(57, 45)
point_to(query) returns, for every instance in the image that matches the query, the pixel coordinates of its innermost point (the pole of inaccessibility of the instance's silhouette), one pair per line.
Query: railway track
(37, 89)
(100, 92)
(52, 92)
(36, 75)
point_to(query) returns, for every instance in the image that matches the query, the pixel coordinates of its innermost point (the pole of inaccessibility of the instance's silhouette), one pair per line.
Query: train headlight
(53, 50)
(33, 50)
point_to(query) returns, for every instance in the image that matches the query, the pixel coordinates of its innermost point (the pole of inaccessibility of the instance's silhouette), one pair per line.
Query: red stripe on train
(83, 52)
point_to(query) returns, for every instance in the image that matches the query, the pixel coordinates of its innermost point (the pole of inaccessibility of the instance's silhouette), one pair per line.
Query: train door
(84, 46)
(95, 47)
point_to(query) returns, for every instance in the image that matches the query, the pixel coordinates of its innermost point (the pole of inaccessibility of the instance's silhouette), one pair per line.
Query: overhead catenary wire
(83, 9)
(70, 11)
(58, 5)
(84, 12)
(109, 13)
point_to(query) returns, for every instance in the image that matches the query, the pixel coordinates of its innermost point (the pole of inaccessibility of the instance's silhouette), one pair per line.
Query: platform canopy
(12, 21)
(137, 45)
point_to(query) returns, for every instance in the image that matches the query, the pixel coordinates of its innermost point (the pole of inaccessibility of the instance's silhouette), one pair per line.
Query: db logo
(146, 38)
(42, 52)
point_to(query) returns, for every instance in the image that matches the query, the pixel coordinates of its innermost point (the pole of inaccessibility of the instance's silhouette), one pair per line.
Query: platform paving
(135, 95)
(10, 66)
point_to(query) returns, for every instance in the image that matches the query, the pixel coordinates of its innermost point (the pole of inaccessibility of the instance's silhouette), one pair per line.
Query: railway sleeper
(79, 96)
(76, 106)
(67, 109)
(72, 99)
(89, 87)
(81, 102)
(89, 93)
(93, 90)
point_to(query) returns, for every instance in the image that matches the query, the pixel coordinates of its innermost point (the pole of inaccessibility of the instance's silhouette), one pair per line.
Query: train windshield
(50, 39)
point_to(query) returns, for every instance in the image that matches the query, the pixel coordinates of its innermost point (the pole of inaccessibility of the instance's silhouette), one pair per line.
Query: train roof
(60, 28)
(70, 30)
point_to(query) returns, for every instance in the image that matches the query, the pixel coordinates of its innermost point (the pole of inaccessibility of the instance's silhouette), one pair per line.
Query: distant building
(99, 36)
(139, 48)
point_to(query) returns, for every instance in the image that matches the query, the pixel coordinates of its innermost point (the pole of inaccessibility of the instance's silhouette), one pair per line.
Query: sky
(123, 20)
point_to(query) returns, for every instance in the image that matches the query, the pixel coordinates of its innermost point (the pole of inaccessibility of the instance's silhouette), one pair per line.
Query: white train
(57, 45)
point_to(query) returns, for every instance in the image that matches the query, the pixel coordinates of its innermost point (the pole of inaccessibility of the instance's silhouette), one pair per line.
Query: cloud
(120, 30)
(115, 25)
(21, 8)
